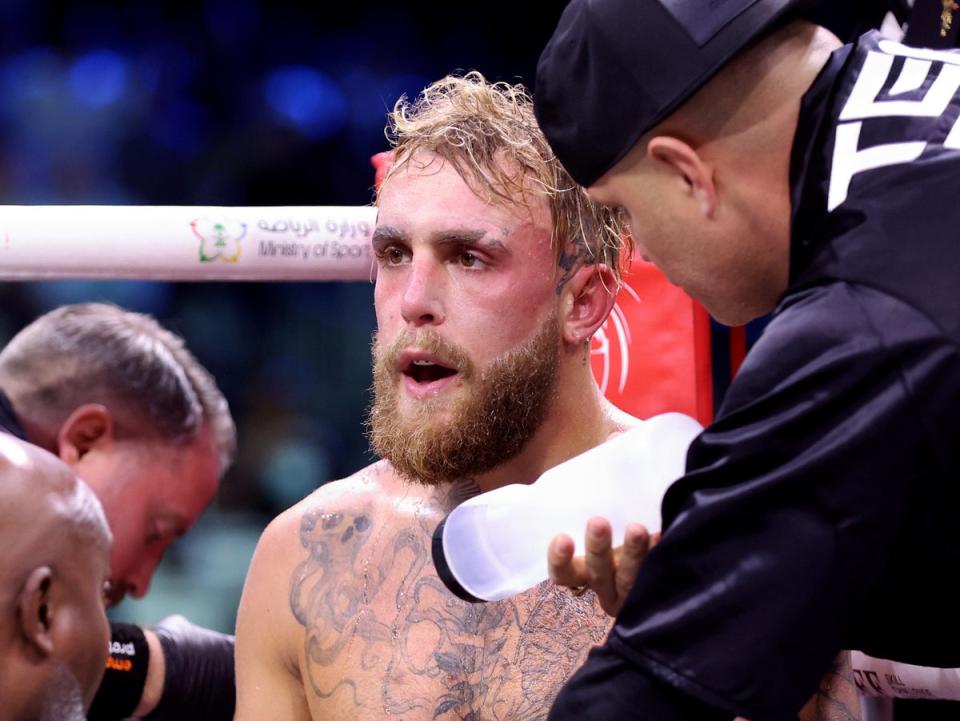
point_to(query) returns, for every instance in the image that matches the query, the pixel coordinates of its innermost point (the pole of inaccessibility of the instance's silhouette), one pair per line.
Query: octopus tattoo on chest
(384, 638)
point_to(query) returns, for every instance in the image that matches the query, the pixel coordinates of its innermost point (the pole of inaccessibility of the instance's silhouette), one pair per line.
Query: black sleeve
(199, 683)
(608, 687)
(788, 519)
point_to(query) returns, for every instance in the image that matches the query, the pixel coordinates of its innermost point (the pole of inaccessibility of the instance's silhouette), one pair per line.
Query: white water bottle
(495, 545)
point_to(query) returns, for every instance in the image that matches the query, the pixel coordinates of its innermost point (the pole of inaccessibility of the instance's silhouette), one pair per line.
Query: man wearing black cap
(766, 168)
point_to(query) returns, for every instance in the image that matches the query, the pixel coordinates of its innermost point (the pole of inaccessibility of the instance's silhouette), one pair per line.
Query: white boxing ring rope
(322, 243)
(197, 243)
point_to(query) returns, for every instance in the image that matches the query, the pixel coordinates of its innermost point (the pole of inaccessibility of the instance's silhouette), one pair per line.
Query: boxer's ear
(587, 299)
(35, 611)
(683, 162)
(86, 427)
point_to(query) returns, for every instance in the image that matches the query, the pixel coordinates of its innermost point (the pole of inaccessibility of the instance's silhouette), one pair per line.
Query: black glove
(199, 683)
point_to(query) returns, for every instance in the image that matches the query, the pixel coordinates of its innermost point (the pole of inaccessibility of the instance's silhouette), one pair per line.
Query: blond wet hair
(488, 133)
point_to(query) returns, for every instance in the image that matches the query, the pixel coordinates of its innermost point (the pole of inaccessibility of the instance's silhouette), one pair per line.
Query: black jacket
(817, 512)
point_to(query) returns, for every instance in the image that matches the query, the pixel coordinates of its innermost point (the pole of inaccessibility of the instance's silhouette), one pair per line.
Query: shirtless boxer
(53, 578)
(493, 274)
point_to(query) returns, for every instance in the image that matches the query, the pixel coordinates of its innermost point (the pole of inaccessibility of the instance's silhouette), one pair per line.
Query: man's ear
(88, 425)
(35, 610)
(588, 298)
(682, 159)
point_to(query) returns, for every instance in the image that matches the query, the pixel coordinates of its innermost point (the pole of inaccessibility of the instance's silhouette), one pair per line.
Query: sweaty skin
(368, 631)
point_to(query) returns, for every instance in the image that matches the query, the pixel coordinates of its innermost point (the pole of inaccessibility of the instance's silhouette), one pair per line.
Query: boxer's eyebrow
(479, 238)
(384, 235)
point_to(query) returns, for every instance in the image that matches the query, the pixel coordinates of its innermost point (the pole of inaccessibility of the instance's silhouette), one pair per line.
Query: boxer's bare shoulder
(372, 633)
(270, 636)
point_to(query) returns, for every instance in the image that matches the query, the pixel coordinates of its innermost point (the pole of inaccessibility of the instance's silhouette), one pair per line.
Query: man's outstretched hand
(609, 572)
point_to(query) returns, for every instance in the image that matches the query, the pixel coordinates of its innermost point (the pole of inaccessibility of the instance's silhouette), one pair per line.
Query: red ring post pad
(652, 354)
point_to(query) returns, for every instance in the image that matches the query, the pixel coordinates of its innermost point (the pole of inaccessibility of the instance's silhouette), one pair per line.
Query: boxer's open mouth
(427, 371)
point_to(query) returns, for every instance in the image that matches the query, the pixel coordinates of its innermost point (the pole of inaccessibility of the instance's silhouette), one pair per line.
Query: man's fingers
(636, 544)
(609, 572)
(564, 569)
(599, 560)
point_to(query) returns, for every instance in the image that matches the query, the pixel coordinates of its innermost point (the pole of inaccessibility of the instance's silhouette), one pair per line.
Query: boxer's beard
(502, 408)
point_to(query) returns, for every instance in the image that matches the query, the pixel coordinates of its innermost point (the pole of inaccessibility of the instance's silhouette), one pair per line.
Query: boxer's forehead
(427, 197)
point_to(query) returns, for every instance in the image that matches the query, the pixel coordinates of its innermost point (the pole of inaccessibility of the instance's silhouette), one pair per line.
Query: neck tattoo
(464, 489)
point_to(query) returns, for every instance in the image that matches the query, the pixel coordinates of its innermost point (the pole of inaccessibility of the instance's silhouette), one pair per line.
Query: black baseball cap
(615, 68)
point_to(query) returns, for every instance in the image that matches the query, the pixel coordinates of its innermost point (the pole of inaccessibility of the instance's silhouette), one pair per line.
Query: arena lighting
(199, 243)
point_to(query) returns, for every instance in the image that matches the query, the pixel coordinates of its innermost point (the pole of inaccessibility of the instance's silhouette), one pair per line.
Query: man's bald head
(61, 508)
(56, 554)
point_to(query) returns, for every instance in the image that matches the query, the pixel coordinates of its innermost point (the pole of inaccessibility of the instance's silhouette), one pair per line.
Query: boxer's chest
(394, 643)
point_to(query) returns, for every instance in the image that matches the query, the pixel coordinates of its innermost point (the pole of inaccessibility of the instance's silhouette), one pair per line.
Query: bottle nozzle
(443, 569)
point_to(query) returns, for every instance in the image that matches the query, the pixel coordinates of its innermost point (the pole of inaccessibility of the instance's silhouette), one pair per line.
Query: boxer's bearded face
(439, 439)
